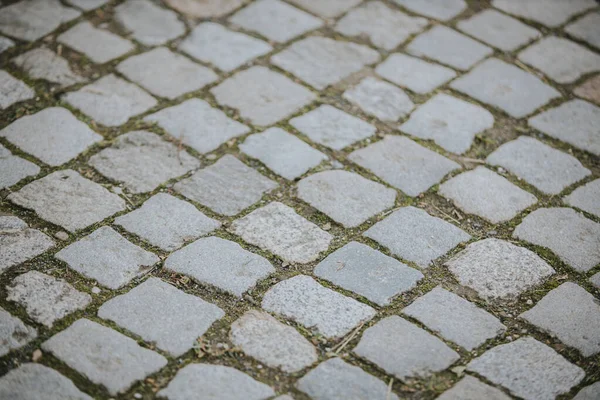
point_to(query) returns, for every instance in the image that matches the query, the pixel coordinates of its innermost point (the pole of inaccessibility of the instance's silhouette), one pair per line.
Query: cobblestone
(442, 11)
(14, 333)
(586, 198)
(98, 44)
(586, 29)
(147, 23)
(381, 99)
(14, 169)
(327, 9)
(469, 388)
(552, 14)
(88, 5)
(43, 63)
(13, 90)
(19, 242)
(590, 392)
(590, 89)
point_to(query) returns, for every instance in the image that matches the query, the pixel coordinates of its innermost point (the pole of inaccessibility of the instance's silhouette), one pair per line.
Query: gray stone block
(100, 45)
(43, 63)
(440, 10)
(586, 29)
(381, 99)
(552, 14)
(327, 9)
(469, 388)
(13, 90)
(14, 333)
(413, 73)
(595, 279)
(586, 198)
(591, 392)
(589, 89)
(87, 5)
(20, 243)
(5, 44)
(14, 169)
(148, 23)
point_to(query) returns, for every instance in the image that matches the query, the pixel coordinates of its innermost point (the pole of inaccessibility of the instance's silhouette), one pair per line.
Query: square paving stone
(148, 23)
(205, 9)
(455, 318)
(586, 198)
(87, 5)
(13, 90)
(14, 169)
(345, 197)
(227, 187)
(142, 161)
(487, 195)
(269, 341)
(107, 257)
(449, 47)
(367, 272)
(586, 29)
(450, 122)
(336, 380)
(333, 128)
(570, 313)
(225, 49)
(5, 44)
(282, 152)
(31, 19)
(505, 86)
(162, 314)
(498, 30)
(35, 381)
(100, 45)
(67, 199)
(548, 169)
(497, 269)
(413, 73)
(14, 333)
(214, 382)
(381, 99)
(469, 388)
(416, 236)
(321, 61)
(589, 90)
(551, 13)
(327, 9)
(591, 392)
(440, 10)
(560, 59)
(305, 301)
(221, 263)
(528, 369)
(572, 237)
(262, 96)
(52, 135)
(166, 74)
(104, 356)
(404, 350)
(167, 222)
(43, 63)
(110, 100)
(195, 123)
(46, 299)
(275, 20)
(385, 27)
(20, 243)
(404, 164)
(278, 229)
(575, 122)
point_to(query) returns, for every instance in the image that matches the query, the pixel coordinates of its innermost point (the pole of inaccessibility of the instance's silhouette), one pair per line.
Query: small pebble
(137, 396)
(529, 302)
(37, 354)
(117, 190)
(61, 235)
(211, 157)
(96, 290)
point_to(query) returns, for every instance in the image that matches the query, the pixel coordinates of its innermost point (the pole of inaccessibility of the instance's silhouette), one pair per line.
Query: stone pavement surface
(300, 199)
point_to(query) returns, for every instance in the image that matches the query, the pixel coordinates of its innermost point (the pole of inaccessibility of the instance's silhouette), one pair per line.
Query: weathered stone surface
(586, 198)
(413, 73)
(215, 382)
(162, 314)
(498, 30)
(345, 197)
(220, 263)
(305, 301)
(552, 14)
(148, 23)
(5, 44)
(590, 89)
(52, 135)
(222, 47)
(88, 5)
(449, 47)
(404, 350)
(451, 122)
(104, 356)
(283, 153)
(275, 20)
(14, 168)
(506, 87)
(195, 123)
(275, 344)
(67, 199)
(166, 74)
(14, 333)
(167, 222)
(261, 95)
(43, 63)
(332, 127)
(469, 388)
(142, 161)
(570, 313)
(385, 27)
(586, 29)
(336, 380)
(487, 194)
(107, 257)
(35, 381)
(327, 9)
(20, 243)
(99, 45)
(13, 90)
(277, 228)
(591, 392)
(46, 298)
(548, 169)
(441, 10)
(404, 164)
(528, 369)
(31, 19)
(381, 99)
(455, 318)
(595, 279)
(571, 236)
(575, 122)
(321, 61)
(416, 236)
(496, 269)
(367, 272)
